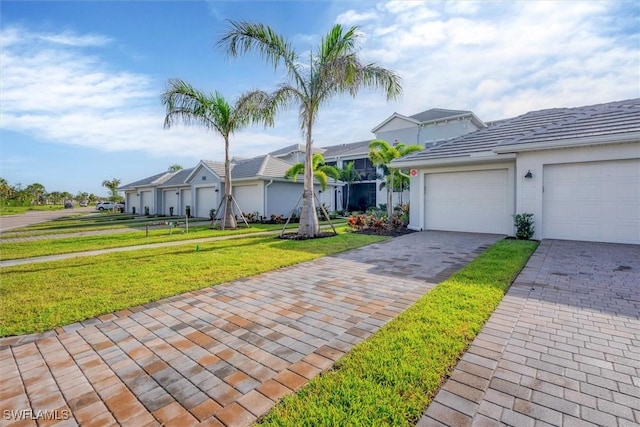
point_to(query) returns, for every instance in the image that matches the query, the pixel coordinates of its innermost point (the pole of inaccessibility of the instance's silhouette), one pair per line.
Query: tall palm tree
(349, 174)
(175, 168)
(321, 171)
(381, 153)
(212, 111)
(333, 68)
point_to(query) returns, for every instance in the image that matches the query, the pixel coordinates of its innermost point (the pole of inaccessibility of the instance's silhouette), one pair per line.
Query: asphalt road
(34, 217)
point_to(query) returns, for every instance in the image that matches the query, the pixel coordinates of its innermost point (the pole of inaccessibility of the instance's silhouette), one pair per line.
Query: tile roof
(437, 114)
(151, 180)
(216, 167)
(351, 149)
(292, 149)
(177, 178)
(560, 126)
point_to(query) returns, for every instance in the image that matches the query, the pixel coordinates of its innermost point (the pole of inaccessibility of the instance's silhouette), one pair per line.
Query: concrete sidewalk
(224, 355)
(562, 348)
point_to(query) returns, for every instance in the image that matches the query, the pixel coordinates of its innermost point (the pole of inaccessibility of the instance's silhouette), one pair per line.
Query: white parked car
(101, 206)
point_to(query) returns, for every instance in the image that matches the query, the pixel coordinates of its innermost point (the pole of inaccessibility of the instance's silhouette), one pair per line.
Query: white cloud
(351, 17)
(69, 38)
(504, 59)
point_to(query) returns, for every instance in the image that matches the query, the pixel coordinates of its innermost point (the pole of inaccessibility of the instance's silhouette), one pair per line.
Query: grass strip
(391, 377)
(63, 245)
(16, 210)
(39, 297)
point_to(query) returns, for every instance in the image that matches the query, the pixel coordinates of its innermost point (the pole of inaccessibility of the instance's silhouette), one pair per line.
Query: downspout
(266, 197)
(406, 176)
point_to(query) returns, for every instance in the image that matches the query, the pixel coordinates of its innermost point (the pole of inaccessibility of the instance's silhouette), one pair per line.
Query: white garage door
(185, 196)
(474, 201)
(146, 201)
(595, 201)
(205, 201)
(170, 200)
(249, 198)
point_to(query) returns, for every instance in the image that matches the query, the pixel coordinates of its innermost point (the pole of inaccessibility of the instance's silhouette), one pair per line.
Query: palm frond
(293, 172)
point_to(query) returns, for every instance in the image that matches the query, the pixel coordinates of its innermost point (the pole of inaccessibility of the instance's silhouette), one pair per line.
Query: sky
(80, 82)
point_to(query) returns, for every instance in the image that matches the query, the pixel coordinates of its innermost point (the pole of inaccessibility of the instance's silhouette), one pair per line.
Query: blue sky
(80, 82)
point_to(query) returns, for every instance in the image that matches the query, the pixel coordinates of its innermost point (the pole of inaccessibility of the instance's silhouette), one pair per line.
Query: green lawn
(62, 245)
(38, 297)
(15, 210)
(390, 378)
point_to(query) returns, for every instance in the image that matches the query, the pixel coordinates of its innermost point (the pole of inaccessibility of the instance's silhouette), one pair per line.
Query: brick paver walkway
(563, 347)
(224, 355)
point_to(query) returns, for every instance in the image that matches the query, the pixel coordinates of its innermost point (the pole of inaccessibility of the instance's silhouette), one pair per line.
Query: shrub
(524, 226)
(357, 222)
(251, 217)
(277, 219)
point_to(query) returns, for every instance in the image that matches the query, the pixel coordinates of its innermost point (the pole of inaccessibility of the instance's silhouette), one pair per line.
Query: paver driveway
(562, 348)
(225, 355)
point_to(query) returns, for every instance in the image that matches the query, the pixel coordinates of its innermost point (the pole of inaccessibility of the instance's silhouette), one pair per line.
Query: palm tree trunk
(309, 225)
(228, 219)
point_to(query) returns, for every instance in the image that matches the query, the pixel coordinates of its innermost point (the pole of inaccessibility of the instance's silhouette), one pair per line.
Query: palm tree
(112, 185)
(381, 153)
(212, 111)
(321, 171)
(175, 168)
(349, 174)
(332, 69)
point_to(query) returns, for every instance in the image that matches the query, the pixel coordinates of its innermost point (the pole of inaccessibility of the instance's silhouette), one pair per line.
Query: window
(365, 168)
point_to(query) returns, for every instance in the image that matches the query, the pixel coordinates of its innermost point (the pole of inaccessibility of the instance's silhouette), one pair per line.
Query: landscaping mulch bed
(368, 231)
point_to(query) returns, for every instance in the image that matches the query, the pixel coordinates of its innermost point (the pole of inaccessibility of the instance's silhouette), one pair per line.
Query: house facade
(427, 128)
(258, 186)
(576, 169)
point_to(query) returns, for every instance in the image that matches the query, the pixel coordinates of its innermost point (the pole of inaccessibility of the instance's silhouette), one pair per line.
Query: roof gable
(216, 168)
(434, 114)
(431, 115)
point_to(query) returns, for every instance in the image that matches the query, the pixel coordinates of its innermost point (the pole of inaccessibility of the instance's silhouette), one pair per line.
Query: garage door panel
(249, 198)
(474, 201)
(205, 201)
(598, 201)
(145, 201)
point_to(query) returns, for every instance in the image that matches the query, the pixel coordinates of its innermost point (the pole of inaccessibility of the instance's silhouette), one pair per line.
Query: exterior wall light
(528, 175)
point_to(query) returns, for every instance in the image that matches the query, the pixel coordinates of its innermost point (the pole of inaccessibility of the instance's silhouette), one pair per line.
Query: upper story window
(365, 168)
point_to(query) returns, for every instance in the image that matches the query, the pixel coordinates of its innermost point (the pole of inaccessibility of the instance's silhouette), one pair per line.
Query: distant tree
(55, 197)
(93, 198)
(67, 196)
(112, 185)
(82, 196)
(212, 111)
(332, 69)
(349, 175)
(321, 171)
(175, 168)
(37, 193)
(5, 190)
(381, 153)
